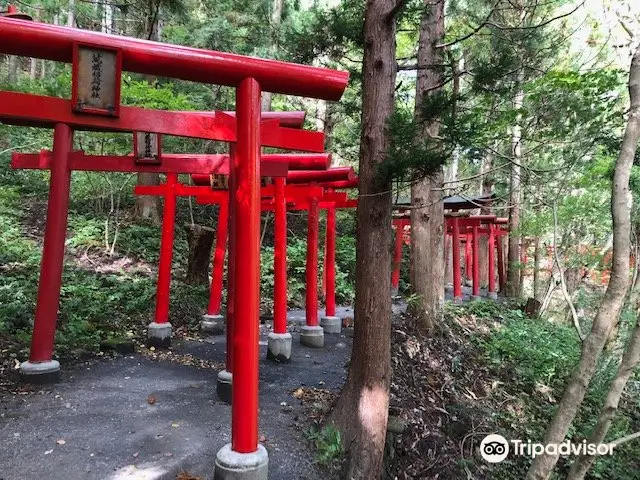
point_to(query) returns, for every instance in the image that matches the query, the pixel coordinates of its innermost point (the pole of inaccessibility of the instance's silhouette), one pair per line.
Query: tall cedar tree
(361, 411)
(427, 214)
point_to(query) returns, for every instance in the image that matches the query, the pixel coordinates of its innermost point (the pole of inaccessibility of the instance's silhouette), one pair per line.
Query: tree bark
(513, 259)
(71, 13)
(427, 213)
(276, 18)
(361, 411)
(486, 189)
(200, 240)
(536, 268)
(611, 305)
(148, 206)
(629, 362)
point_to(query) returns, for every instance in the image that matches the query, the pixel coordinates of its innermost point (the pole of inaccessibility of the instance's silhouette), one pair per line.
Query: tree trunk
(200, 240)
(486, 189)
(148, 206)
(611, 305)
(524, 246)
(276, 18)
(12, 69)
(362, 409)
(328, 124)
(513, 260)
(427, 213)
(71, 14)
(536, 268)
(630, 360)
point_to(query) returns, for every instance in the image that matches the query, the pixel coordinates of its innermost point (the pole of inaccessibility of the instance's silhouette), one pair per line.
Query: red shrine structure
(98, 60)
(461, 227)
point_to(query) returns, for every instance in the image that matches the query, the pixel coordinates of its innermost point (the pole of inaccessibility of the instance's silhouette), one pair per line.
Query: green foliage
(408, 159)
(328, 443)
(535, 350)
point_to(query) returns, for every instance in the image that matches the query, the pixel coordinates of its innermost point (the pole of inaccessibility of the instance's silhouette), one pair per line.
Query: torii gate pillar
(213, 321)
(330, 323)
(312, 334)
(244, 457)
(279, 342)
(159, 331)
(41, 368)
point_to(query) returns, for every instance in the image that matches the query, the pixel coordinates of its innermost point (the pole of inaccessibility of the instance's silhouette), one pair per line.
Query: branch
(472, 32)
(625, 439)
(539, 25)
(563, 283)
(396, 9)
(478, 175)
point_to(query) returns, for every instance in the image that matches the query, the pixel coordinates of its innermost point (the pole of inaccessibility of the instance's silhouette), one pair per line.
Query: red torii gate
(272, 165)
(244, 456)
(399, 223)
(275, 165)
(310, 197)
(279, 345)
(469, 227)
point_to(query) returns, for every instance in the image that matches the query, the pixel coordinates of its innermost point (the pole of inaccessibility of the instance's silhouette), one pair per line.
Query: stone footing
(232, 465)
(279, 347)
(159, 335)
(40, 373)
(212, 324)
(224, 386)
(312, 336)
(331, 324)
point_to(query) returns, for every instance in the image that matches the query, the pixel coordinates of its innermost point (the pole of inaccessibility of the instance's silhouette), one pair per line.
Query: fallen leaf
(184, 475)
(151, 399)
(262, 439)
(175, 425)
(60, 442)
(135, 455)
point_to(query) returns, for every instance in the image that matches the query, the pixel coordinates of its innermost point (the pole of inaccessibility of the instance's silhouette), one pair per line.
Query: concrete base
(212, 324)
(224, 386)
(394, 292)
(457, 300)
(232, 465)
(493, 295)
(331, 324)
(159, 335)
(475, 297)
(279, 347)
(312, 336)
(40, 373)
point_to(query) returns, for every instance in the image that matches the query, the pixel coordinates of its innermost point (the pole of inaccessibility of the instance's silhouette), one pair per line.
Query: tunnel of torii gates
(467, 229)
(97, 62)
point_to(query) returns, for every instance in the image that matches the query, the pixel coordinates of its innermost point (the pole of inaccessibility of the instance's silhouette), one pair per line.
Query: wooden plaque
(147, 147)
(96, 80)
